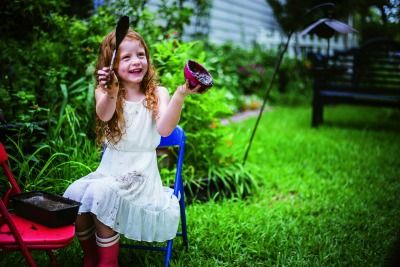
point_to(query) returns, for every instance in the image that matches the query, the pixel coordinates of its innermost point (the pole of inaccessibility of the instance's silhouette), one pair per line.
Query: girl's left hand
(185, 89)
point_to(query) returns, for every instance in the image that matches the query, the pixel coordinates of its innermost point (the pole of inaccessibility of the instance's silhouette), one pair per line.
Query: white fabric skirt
(133, 203)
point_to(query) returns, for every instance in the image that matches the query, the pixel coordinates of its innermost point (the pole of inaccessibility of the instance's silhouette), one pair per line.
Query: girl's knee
(103, 230)
(84, 221)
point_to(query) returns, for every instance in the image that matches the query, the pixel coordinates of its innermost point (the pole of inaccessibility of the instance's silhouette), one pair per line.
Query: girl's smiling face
(133, 65)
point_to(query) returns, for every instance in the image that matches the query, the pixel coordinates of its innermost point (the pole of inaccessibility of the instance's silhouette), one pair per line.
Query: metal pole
(276, 68)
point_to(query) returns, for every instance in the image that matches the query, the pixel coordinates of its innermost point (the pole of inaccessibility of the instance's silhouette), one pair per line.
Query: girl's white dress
(125, 192)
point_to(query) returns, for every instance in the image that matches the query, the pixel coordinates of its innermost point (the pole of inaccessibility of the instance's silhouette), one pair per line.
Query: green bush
(205, 166)
(248, 71)
(31, 84)
(48, 95)
(293, 83)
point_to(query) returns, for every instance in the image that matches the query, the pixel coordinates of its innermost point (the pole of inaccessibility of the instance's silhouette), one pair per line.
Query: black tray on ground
(45, 208)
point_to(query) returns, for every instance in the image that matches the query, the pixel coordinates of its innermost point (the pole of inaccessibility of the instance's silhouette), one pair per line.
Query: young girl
(125, 195)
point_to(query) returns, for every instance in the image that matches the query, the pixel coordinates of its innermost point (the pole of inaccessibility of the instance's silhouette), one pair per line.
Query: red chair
(17, 233)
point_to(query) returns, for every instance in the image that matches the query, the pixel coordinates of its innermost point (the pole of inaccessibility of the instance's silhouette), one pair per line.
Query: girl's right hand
(103, 76)
(108, 80)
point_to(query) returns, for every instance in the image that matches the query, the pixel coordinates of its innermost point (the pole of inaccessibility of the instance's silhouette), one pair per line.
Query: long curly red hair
(113, 129)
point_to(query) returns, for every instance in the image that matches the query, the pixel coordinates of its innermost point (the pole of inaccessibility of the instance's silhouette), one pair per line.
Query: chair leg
(13, 229)
(29, 259)
(317, 111)
(183, 221)
(168, 253)
(52, 257)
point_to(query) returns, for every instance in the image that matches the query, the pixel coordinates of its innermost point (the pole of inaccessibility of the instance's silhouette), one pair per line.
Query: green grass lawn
(326, 197)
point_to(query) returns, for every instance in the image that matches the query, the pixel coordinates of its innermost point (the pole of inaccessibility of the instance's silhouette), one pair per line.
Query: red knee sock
(108, 250)
(87, 240)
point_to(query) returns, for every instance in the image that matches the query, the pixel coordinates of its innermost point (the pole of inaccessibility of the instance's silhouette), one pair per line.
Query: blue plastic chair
(175, 139)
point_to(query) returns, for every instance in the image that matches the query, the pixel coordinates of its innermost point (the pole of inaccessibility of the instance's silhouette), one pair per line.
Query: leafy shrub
(250, 72)
(250, 67)
(293, 83)
(31, 84)
(53, 84)
(205, 167)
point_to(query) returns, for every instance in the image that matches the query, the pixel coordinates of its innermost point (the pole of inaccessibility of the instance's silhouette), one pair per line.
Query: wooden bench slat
(390, 98)
(369, 75)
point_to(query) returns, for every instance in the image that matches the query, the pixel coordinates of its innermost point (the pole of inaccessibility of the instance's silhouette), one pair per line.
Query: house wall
(245, 23)
(248, 22)
(239, 22)
(300, 45)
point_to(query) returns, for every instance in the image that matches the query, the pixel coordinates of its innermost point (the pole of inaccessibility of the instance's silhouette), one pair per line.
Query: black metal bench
(369, 75)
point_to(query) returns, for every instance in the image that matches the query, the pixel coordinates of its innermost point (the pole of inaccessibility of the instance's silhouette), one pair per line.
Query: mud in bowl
(196, 74)
(45, 208)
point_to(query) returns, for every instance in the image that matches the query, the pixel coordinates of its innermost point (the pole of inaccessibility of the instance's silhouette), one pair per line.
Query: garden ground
(326, 197)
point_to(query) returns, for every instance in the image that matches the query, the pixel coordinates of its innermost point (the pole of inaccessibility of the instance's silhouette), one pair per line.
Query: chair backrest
(22, 234)
(3, 154)
(14, 189)
(176, 139)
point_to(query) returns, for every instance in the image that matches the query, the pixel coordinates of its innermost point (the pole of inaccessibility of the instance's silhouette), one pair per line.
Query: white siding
(239, 21)
(299, 45)
(245, 22)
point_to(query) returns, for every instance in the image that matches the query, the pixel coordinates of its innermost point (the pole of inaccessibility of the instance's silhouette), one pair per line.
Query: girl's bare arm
(169, 110)
(106, 98)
